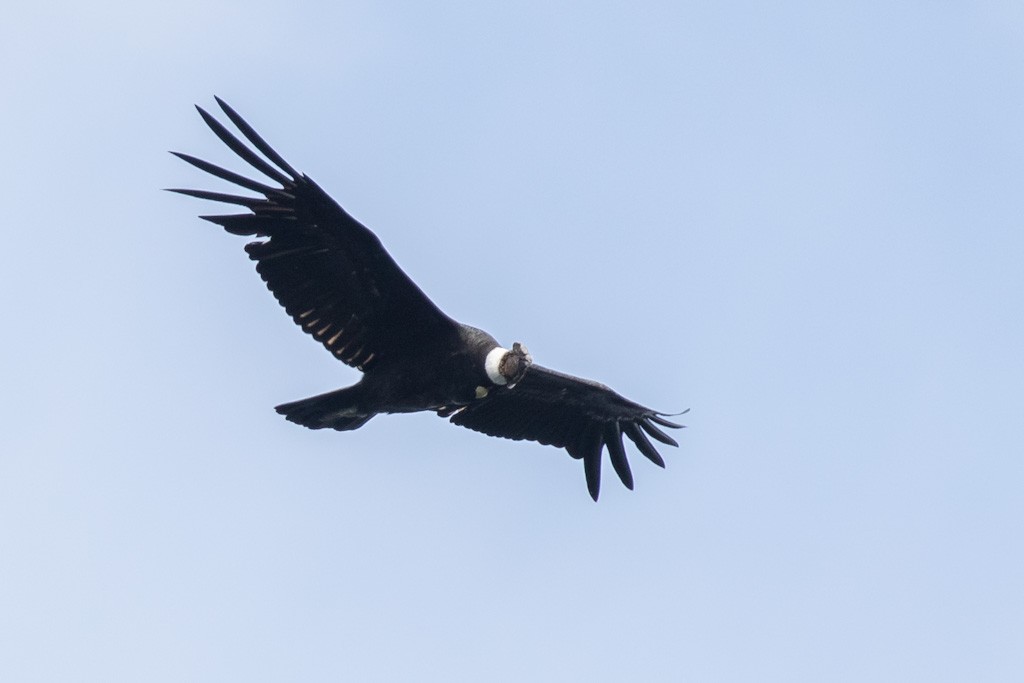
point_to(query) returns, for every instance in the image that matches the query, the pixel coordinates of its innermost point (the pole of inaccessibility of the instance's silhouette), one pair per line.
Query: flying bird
(334, 278)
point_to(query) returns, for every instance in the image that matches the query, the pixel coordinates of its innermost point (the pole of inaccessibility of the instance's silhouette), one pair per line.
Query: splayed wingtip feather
(657, 433)
(231, 176)
(256, 139)
(249, 202)
(239, 148)
(644, 444)
(617, 454)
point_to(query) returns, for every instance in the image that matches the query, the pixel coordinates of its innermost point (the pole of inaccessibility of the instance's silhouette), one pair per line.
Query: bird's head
(508, 367)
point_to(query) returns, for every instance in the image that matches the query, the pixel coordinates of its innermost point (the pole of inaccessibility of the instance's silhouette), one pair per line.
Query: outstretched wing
(579, 415)
(331, 274)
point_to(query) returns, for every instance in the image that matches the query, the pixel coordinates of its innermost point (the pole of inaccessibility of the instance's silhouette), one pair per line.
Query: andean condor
(336, 281)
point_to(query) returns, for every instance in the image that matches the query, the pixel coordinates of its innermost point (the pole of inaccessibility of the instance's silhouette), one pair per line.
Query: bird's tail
(336, 409)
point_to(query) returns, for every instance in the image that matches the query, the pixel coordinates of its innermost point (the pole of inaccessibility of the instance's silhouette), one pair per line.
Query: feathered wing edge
(608, 434)
(288, 177)
(317, 257)
(582, 416)
(294, 257)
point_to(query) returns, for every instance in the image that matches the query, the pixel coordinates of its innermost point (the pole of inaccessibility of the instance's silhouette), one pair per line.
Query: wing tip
(592, 470)
(660, 419)
(617, 454)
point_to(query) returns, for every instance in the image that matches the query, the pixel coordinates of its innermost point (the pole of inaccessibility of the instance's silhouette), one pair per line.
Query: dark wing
(331, 274)
(567, 412)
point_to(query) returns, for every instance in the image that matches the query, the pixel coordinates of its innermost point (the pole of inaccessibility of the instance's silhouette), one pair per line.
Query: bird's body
(339, 284)
(437, 375)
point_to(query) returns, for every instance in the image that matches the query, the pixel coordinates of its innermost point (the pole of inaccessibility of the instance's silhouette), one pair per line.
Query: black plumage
(338, 283)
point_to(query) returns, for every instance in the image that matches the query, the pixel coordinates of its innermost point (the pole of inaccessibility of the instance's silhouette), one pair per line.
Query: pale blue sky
(803, 221)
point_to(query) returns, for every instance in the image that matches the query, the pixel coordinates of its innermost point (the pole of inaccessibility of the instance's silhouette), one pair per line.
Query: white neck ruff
(493, 362)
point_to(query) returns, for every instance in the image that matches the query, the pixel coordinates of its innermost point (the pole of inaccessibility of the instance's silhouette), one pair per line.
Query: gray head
(507, 367)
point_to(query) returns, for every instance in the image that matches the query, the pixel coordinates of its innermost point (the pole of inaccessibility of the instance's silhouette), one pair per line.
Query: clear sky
(803, 221)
